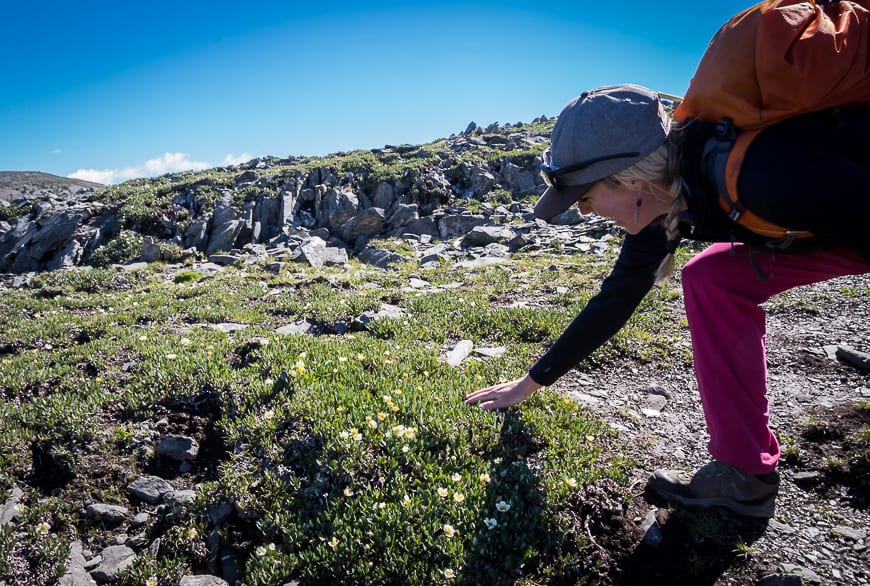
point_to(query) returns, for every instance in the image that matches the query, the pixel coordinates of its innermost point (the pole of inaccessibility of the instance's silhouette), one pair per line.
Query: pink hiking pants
(722, 295)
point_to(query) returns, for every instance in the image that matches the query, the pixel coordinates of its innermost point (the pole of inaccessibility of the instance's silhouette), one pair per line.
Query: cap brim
(553, 202)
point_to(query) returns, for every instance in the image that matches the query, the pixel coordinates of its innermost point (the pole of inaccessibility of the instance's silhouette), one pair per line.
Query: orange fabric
(774, 60)
(779, 58)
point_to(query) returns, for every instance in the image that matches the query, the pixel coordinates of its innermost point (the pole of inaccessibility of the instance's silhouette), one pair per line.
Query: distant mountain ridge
(37, 185)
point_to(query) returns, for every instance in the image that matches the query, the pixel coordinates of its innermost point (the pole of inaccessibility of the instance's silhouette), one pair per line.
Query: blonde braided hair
(663, 164)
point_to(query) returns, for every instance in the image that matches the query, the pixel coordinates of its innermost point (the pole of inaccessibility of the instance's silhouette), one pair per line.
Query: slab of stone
(111, 515)
(459, 352)
(202, 581)
(116, 558)
(150, 488)
(178, 447)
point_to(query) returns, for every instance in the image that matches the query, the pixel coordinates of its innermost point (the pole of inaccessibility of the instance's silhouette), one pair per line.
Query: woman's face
(616, 201)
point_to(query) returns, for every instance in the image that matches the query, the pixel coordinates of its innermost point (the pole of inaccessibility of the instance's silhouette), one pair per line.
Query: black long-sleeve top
(811, 172)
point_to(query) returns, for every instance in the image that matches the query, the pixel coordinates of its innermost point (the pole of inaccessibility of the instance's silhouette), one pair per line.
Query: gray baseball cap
(599, 133)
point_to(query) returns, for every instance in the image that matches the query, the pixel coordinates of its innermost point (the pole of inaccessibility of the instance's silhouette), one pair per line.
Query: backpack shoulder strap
(723, 156)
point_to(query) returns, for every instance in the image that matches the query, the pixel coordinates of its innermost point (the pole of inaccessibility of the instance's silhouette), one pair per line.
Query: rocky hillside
(26, 185)
(303, 208)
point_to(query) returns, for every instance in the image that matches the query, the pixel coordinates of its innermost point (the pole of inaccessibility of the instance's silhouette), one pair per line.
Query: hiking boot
(719, 485)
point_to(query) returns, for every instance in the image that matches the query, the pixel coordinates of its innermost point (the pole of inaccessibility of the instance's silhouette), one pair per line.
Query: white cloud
(171, 162)
(231, 159)
(168, 163)
(56, 151)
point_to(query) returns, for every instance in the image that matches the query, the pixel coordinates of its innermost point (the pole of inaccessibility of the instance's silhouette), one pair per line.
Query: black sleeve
(630, 280)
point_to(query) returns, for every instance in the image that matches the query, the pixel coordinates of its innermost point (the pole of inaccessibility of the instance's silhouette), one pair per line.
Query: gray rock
(111, 515)
(10, 509)
(652, 532)
(228, 328)
(223, 236)
(179, 497)
(454, 225)
(384, 195)
(338, 207)
(517, 180)
(403, 215)
(852, 356)
(804, 574)
(368, 222)
(202, 581)
(849, 532)
(76, 574)
(482, 181)
(483, 235)
(296, 328)
(362, 321)
(116, 558)
(150, 250)
(224, 259)
(178, 447)
(459, 352)
(139, 520)
(380, 258)
(570, 217)
(423, 227)
(780, 580)
(150, 489)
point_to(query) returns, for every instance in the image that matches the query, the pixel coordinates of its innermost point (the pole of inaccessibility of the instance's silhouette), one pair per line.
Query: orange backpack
(772, 61)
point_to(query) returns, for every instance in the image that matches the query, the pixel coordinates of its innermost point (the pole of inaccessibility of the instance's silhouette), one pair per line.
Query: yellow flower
(261, 551)
(442, 492)
(484, 478)
(184, 342)
(360, 356)
(344, 435)
(410, 432)
(458, 497)
(357, 437)
(503, 507)
(333, 543)
(449, 531)
(269, 415)
(192, 533)
(406, 501)
(382, 415)
(171, 356)
(151, 581)
(572, 482)
(348, 491)
(448, 573)
(43, 528)
(456, 477)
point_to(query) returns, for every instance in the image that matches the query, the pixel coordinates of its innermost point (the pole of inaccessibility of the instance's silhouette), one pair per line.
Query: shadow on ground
(691, 547)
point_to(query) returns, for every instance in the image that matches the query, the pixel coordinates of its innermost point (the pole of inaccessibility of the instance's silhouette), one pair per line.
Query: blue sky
(107, 91)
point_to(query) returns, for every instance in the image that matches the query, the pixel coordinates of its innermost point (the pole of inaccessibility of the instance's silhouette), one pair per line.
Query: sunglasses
(551, 174)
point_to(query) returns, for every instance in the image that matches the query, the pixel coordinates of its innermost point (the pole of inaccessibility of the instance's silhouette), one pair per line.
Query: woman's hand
(503, 394)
